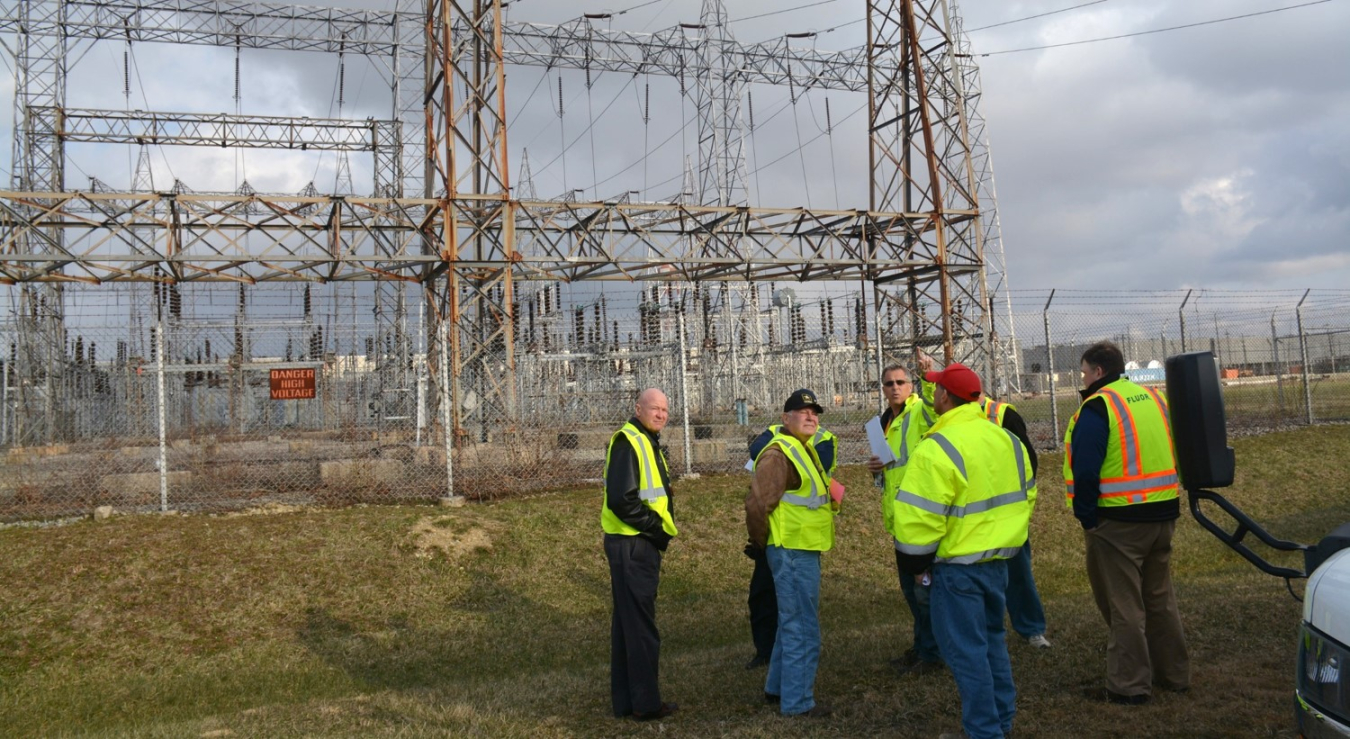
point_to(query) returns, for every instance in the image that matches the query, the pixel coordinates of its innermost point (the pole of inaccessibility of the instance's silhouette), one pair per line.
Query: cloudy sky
(1216, 156)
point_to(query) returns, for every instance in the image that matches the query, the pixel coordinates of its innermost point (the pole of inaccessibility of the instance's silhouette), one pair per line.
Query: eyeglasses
(889, 383)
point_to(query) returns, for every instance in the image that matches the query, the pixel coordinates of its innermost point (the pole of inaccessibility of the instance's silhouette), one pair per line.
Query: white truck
(1204, 460)
(1323, 681)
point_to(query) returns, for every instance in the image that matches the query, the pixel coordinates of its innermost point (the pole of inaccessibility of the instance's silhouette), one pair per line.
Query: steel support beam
(206, 237)
(579, 44)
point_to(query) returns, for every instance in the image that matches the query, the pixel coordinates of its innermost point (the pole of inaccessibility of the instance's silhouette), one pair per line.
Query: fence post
(879, 355)
(4, 405)
(450, 496)
(1303, 352)
(1181, 313)
(163, 432)
(684, 399)
(1279, 371)
(1050, 373)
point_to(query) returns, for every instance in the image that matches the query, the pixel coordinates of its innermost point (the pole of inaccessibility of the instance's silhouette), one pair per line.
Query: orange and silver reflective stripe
(1068, 453)
(991, 408)
(1166, 411)
(1140, 486)
(1129, 436)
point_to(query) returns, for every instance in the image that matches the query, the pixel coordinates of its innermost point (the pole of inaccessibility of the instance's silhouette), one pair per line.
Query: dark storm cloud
(1214, 156)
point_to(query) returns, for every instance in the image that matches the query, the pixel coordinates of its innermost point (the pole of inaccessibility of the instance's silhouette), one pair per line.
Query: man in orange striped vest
(1121, 480)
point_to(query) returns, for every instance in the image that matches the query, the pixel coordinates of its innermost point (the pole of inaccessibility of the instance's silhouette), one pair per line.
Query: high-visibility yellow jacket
(804, 518)
(650, 489)
(968, 493)
(1140, 466)
(902, 435)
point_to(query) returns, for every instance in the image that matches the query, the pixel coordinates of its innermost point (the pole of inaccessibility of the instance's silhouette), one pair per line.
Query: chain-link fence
(1284, 356)
(150, 399)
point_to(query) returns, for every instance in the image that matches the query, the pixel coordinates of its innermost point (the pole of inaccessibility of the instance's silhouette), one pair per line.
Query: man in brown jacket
(789, 514)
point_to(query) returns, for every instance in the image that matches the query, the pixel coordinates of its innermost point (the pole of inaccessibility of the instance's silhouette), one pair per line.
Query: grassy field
(492, 620)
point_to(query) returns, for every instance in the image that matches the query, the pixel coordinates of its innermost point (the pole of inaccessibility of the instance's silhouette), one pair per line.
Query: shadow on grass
(504, 635)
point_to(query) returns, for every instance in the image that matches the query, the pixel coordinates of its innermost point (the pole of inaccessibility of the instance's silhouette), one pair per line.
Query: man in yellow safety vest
(790, 515)
(1120, 475)
(763, 599)
(960, 513)
(637, 516)
(908, 416)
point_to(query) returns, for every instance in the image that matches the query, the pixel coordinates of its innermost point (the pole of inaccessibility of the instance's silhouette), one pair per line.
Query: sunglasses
(889, 383)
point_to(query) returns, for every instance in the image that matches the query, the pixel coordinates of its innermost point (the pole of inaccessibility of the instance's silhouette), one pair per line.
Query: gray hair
(897, 368)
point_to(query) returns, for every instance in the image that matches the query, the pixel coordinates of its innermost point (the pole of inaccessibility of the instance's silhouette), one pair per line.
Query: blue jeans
(968, 603)
(1024, 603)
(917, 598)
(796, 651)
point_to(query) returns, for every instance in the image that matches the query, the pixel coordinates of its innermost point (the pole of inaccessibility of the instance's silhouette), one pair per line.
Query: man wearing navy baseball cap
(789, 514)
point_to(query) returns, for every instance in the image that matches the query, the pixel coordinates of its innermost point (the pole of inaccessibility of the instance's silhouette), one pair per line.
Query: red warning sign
(292, 384)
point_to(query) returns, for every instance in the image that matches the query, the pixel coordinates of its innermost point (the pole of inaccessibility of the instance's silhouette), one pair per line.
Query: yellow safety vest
(903, 435)
(994, 410)
(650, 489)
(804, 518)
(1139, 466)
(821, 437)
(968, 493)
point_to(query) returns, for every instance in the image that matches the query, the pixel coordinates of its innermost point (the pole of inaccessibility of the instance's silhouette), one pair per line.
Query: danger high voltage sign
(292, 384)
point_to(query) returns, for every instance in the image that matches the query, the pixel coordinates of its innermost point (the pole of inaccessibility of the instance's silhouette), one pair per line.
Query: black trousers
(763, 606)
(635, 644)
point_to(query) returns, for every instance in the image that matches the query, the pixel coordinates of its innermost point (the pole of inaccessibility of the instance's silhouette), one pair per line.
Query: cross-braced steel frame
(444, 215)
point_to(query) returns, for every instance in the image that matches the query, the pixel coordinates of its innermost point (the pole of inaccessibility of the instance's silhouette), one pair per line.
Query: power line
(634, 7)
(1033, 17)
(1155, 30)
(782, 10)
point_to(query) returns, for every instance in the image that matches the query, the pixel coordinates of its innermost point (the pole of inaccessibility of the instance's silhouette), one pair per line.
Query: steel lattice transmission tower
(444, 215)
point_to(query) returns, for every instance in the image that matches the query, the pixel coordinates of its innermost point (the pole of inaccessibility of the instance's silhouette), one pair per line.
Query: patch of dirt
(270, 509)
(430, 535)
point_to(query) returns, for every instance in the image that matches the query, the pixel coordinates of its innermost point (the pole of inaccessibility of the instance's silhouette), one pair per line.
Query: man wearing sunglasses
(907, 417)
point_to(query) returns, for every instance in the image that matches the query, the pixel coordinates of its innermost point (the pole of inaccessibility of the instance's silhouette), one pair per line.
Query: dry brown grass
(393, 621)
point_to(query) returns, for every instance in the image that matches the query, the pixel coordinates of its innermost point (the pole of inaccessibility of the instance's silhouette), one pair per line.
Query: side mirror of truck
(1204, 459)
(1199, 427)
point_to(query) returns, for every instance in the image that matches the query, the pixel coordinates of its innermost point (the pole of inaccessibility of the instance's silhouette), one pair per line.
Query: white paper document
(750, 466)
(876, 438)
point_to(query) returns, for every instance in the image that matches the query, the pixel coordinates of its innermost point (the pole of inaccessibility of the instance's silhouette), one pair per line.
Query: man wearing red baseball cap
(962, 513)
(957, 379)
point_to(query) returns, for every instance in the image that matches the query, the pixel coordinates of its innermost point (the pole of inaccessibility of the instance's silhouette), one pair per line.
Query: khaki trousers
(1129, 569)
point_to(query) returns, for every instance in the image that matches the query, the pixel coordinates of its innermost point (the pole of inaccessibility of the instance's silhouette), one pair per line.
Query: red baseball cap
(958, 379)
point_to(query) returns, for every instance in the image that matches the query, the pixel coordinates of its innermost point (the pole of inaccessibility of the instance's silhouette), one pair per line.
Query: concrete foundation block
(362, 472)
(429, 455)
(711, 451)
(141, 486)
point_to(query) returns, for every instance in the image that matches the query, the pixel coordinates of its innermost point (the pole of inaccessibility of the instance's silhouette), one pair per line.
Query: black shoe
(906, 660)
(771, 698)
(757, 661)
(665, 710)
(922, 667)
(819, 710)
(1102, 694)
